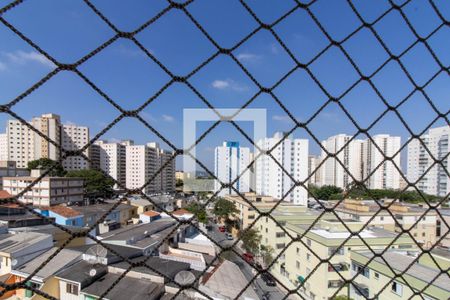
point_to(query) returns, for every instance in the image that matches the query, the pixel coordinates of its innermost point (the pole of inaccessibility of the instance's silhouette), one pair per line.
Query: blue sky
(68, 30)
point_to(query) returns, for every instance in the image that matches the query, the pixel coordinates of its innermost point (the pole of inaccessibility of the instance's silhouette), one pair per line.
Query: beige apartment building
(406, 215)
(327, 239)
(46, 192)
(375, 277)
(247, 213)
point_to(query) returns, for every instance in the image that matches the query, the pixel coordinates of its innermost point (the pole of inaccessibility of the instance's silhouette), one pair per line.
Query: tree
(267, 253)
(179, 182)
(224, 209)
(324, 192)
(46, 164)
(199, 212)
(250, 240)
(96, 183)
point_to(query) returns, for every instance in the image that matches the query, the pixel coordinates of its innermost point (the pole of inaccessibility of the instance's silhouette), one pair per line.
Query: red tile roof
(180, 212)
(4, 194)
(151, 213)
(64, 211)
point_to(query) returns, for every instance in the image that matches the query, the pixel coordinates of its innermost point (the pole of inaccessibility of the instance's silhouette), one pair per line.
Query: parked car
(222, 228)
(268, 279)
(229, 236)
(248, 257)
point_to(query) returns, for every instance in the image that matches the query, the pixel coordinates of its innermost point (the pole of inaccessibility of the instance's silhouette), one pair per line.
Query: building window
(308, 242)
(397, 288)
(280, 246)
(297, 264)
(280, 234)
(377, 275)
(308, 256)
(72, 289)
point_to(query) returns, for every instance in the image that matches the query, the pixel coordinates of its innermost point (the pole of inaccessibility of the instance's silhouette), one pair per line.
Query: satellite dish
(97, 251)
(92, 272)
(14, 262)
(184, 278)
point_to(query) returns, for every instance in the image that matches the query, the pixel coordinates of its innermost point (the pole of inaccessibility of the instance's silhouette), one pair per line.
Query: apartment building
(73, 138)
(111, 158)
(301, 263)
(24, 144)
(382, 173)
(405, 216)
(341, 170)
(3, 147)
(360, 160)
(314, 167)
(420, 161)
(142, 164)
(230, 162)
(48, 191)
(375, 277)
(9, 169)
(273, 176)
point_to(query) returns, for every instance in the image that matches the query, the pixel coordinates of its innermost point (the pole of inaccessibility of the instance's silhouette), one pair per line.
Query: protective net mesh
(332, 43)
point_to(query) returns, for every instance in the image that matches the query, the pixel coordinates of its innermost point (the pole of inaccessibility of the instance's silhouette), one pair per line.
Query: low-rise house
(48, 191)
(149, 216)
(63, 215)
(194, 259)
(121, 214)
(405, 215)
(442, 230)
(182, 214)
(148, 237)
(79, 276)
(126, 288)
(19, 248)
(13, 215)
(227, 282)
(142, 205)
(59, 235)
(375, 278)
(44, 279)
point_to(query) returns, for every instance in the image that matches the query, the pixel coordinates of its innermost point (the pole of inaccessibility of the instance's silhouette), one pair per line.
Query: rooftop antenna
(96, 254)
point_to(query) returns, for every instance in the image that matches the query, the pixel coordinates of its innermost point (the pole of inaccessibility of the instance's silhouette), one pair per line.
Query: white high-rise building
(24, 145)
(347, 165)
(231, 161)
(3, 147)
(111, 158)
(74, 138)
(435, 181)
(313, 166)
(142, 163)
(292, 155)
(386, 176)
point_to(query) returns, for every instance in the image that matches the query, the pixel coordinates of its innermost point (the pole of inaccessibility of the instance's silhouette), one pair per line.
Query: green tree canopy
(95, 182)
(250, 240)
(324, 192)
(199, 212)
(224, 208)
(46, 164)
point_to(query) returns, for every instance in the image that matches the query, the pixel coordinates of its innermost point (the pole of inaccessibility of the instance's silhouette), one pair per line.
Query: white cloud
(69, 123)
(21, 58)
(228, 84)
(147, 116)
(2, 66)
(168, 118)
(251, 57)
(274, 48)
(220, 84)
(281, 118)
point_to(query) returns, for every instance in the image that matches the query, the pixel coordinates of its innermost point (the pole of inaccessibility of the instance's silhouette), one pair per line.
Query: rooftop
(4, 194)
(126, 288)
(64, 258)
(12, 243)
(400, 261)
(151, 213)
(168, 268)
(96, 209)
(82, 272)
(65, 211)
(228, 281)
